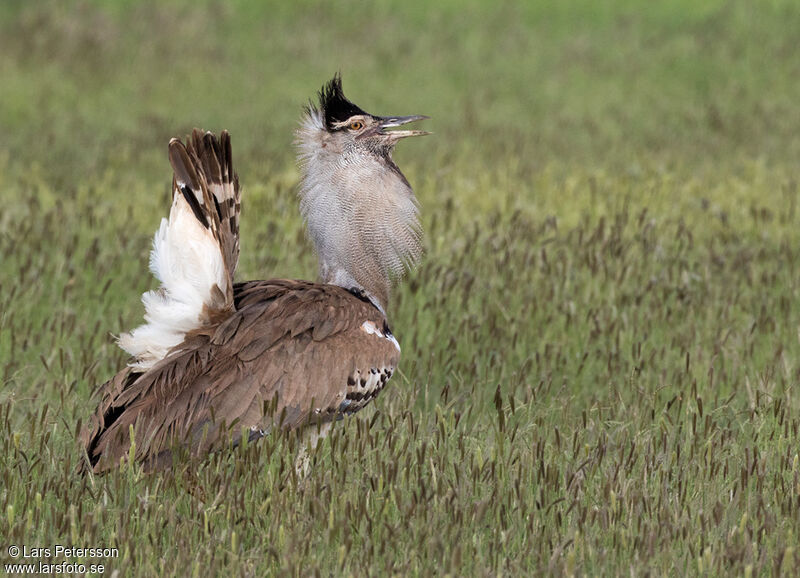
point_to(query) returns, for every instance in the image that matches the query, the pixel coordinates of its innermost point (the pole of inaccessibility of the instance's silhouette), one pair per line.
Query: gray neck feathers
(362, 216)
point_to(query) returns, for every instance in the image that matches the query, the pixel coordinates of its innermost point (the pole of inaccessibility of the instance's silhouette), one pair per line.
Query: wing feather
(297, 344)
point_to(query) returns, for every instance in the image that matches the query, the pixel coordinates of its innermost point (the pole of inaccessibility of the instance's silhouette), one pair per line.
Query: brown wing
(292, 353)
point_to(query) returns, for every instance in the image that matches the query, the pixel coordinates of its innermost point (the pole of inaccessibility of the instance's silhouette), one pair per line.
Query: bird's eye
(356, 125)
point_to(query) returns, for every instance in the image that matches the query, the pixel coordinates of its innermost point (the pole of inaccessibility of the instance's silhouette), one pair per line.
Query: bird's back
(291, 354)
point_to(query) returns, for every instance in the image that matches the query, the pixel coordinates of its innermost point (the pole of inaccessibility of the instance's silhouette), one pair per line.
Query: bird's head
(361, 212)
(338, 126)
(349, 125)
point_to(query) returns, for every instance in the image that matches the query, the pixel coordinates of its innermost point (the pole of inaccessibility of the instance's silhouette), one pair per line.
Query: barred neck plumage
(361, 212)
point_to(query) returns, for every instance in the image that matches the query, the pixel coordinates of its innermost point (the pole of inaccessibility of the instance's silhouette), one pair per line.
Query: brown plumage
(217, 360)
(286, 353)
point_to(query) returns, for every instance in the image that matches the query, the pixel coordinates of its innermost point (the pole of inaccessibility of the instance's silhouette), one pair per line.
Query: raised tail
(205, 165)
(195, 251)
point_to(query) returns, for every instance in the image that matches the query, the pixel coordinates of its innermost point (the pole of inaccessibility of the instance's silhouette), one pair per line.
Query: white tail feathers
(192, 253)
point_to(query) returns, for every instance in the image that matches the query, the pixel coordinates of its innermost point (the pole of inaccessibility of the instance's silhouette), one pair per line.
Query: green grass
(600, 351)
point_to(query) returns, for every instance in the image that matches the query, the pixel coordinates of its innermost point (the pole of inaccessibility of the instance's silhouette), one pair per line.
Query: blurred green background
(85, 85)
(600, 348)
(514, 88)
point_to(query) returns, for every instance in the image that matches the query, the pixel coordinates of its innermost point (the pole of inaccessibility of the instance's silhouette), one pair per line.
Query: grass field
(601, 351)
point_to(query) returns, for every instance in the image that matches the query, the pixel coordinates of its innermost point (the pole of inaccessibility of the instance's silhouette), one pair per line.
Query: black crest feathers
(334, 105)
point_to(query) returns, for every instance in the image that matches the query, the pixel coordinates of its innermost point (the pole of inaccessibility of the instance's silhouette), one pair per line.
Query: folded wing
(292, 354)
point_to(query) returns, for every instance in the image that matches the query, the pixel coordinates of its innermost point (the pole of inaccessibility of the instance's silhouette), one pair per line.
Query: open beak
(393, 121)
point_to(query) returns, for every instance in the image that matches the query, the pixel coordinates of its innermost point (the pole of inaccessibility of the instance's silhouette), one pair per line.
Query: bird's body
(217, 360)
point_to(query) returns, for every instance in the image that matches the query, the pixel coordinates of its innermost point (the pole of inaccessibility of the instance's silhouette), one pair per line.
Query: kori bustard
(217, 360)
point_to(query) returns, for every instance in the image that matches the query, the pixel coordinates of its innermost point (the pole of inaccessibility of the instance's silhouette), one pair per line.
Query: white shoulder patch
(370, 328)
